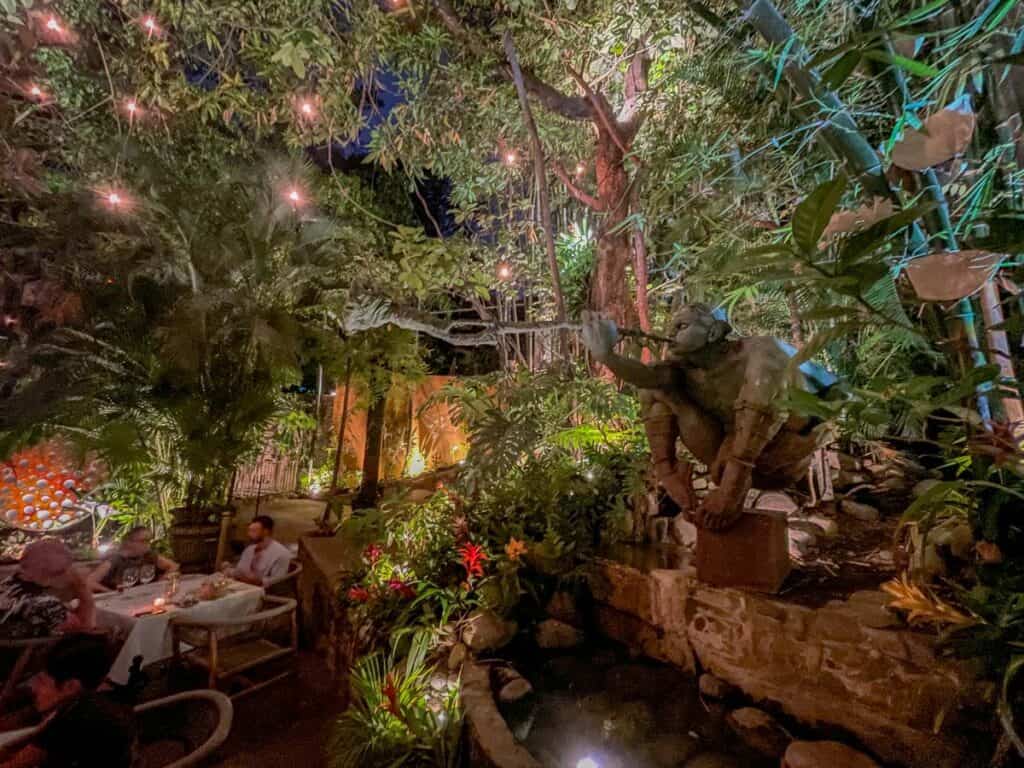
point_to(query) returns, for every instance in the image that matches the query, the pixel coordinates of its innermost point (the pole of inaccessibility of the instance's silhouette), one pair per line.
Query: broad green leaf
(914, 67)
(813, 214)
(838, 72)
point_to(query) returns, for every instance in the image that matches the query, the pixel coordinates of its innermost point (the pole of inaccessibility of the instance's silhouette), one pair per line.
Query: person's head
(695, 326)
(261, 529)
(137, 541)
(76, 664)
(46, 562)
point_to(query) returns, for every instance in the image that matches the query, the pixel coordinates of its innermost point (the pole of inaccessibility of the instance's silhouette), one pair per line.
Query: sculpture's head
(695, 326)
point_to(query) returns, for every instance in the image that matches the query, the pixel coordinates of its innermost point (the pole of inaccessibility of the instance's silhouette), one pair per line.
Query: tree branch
(602, 110)
(584, 197)
(542, 184)
(630, 117)
(569, 107)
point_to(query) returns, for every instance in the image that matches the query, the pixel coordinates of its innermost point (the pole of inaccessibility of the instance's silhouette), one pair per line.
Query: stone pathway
(288, 724)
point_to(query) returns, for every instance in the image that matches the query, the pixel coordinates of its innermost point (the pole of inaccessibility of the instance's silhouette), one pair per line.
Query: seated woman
(135, 551)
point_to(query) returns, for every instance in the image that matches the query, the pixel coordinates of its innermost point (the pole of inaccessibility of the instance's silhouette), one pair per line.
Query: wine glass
(130, 577)
(147, 573)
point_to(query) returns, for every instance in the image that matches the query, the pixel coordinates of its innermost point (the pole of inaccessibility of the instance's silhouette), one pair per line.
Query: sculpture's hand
(599, 335)
(719, 510)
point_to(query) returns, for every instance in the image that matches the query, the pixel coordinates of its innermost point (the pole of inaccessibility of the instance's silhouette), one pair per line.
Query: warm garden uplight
(150, 25)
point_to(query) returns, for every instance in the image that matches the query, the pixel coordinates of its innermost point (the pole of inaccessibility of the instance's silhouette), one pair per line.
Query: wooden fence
(273, 472)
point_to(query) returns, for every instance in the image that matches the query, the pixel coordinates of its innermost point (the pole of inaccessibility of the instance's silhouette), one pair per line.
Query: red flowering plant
(473, 558)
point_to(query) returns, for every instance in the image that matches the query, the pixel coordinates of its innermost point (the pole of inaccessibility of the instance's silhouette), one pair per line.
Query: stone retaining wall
(491, 743)
(850, 664)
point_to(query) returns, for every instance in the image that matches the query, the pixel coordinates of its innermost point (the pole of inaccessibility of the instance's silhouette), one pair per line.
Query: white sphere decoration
(28, 498)
(67, 504)
(29, 510)
(54, 505)
(11, 514)
(40, 467)
(47, 524)
(41, 484)
(23, 463)
(59, 494)
(43, 514)
(69, 484)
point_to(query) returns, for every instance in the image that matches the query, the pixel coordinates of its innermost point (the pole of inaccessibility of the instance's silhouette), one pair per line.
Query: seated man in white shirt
(265, 558)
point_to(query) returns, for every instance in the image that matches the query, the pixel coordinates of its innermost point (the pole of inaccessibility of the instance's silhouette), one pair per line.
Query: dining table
(145, 624)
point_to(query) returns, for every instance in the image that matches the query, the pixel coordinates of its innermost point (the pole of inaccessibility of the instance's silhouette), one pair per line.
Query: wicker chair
(182, 730)
(227, 648)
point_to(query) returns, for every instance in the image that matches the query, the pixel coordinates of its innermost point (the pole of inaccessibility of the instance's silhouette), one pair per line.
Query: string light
(588, 762)
(504, 270)
(150, 25)
(53, 25)
(37, 93)
(307, 108)
(580, 169)
(294, 196)
(132, 107)
(511, 158)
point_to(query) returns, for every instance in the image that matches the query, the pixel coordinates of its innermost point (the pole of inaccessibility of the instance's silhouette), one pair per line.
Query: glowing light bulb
(589, 474)
(307, 108)
(504, 271)
(114, 199)
(294, 196)
(52, 24)
(510, 158)
(588, 762)
(580, 168)
(36, 92)
(103, 548)
(131, 106)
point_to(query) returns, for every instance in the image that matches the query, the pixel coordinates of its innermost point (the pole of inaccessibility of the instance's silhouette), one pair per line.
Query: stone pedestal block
(752, 554)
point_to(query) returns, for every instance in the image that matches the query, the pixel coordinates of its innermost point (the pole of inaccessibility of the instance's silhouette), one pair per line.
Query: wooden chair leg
(213, 661)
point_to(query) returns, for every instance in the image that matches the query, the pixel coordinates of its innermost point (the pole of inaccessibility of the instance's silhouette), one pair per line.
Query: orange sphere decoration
(40, 488)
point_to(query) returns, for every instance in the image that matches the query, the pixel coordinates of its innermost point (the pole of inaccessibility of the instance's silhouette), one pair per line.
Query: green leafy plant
(397, 719)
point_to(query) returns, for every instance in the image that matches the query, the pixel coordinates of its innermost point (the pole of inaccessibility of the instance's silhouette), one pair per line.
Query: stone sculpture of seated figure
(720, 396)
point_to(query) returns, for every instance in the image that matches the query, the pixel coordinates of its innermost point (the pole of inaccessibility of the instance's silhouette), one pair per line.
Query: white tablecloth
(149, 636)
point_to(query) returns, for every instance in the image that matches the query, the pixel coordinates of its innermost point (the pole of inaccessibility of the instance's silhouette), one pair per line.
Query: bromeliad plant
(397, 718)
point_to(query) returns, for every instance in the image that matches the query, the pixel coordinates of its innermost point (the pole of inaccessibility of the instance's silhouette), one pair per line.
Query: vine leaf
(813, 214)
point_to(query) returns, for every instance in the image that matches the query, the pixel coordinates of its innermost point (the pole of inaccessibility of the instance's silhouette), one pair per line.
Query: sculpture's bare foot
(718, 513)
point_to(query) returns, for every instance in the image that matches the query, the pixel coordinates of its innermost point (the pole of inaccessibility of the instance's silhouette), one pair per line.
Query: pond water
(596, 708)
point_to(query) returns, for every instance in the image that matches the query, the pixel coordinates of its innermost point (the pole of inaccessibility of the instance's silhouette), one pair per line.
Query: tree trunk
(999, 349)
(609, 290)
(367, 496)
